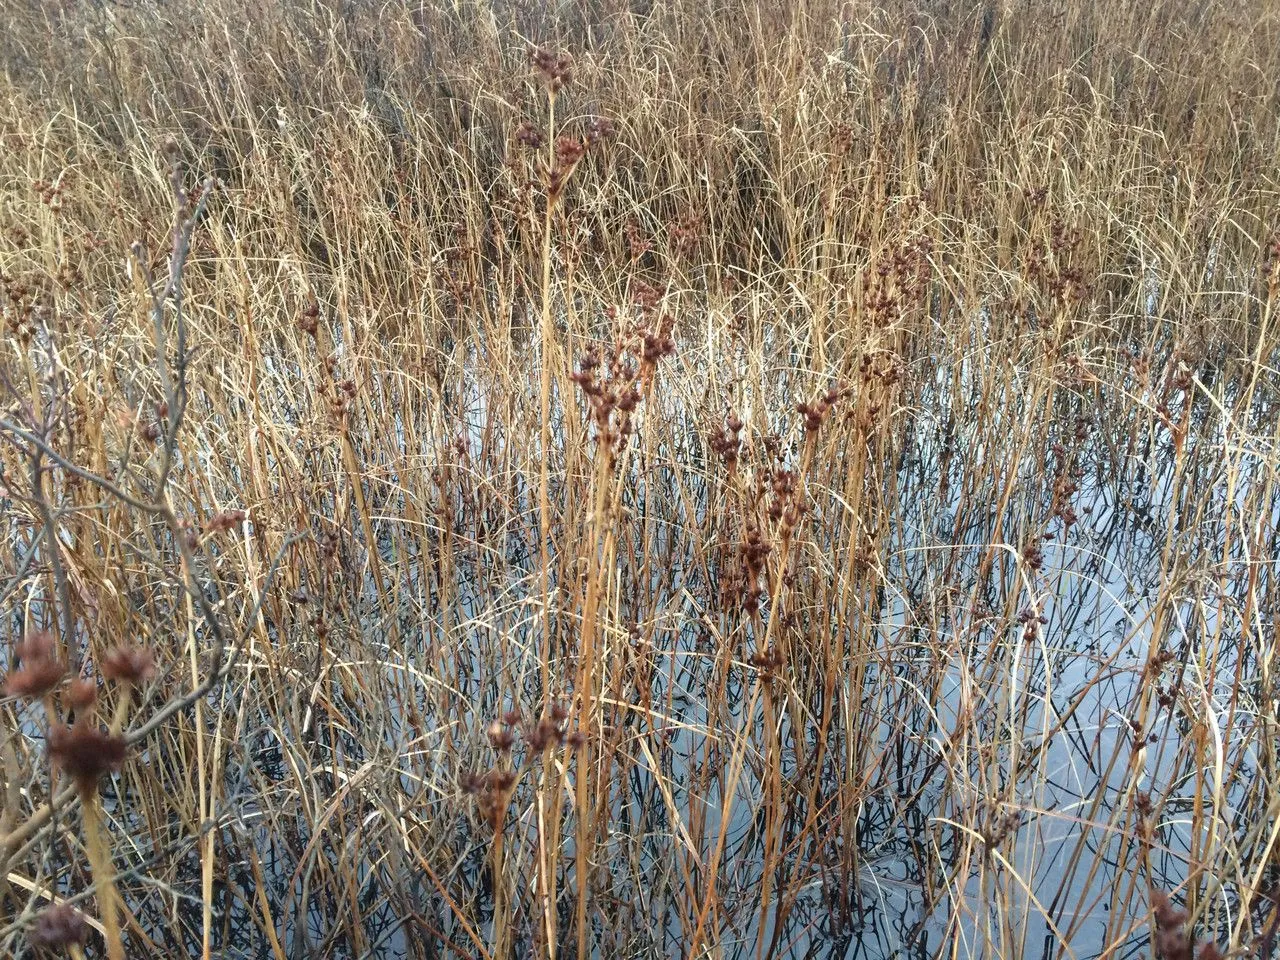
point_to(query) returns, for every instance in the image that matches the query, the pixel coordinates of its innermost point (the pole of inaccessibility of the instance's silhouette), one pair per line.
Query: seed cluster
(493, 788)
(614, 389)
(1172, 940)
(39, 671)
(555, 69)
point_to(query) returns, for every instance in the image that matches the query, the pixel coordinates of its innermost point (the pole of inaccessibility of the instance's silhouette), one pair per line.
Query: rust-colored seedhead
(132, 665)
(547, 732)
(39, 669)
(768, 661)
(81, 695)
(501, 737)
(569, 151)
(309, 322)
(85, 752)
(1170, 939)
(529, 136)
(58, 927)
(555, 69)
(599, 130)
(226, 519)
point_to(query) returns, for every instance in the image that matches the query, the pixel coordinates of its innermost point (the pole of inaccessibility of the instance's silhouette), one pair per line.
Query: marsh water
(1065, 700)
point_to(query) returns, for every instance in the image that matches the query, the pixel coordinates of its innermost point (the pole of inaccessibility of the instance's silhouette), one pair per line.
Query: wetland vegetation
(639, 478)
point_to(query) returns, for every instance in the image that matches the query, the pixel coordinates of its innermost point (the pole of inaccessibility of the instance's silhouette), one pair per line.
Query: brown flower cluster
(726, 441)
(754, 550)
(816, 413)
(309, 322)
(338, 392)
(899, 281)
(599, 129)
(556, 69)
(80, 695)
(1270, 267)
(637, 243)
(1171, 939)
(769, 662)
(685, 235)
(614, 390)
(492, 790)
(132, 665)
(529, 136)
(548, 731)
(1051, 267)
(58, 927)
(785, 505)
(225, 520)
(608, 391)
(86, 752)
(569, 151)
(39, 670)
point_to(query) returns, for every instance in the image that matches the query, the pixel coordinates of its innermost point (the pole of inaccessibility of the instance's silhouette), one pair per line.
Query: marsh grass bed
(614, 479)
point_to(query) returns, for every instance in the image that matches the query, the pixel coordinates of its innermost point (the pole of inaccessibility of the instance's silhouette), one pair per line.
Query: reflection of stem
(103, 873)
(586, 724)
(549, 841)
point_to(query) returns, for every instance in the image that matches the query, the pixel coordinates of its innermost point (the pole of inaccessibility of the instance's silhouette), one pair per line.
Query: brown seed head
(34, 678)
(225, 520)
(538, 737)
(501, 736)
(81, 695)
(39, 645)
(39, 672)
(1172, 945)
(528, 136)
(1170, 940)
(556, 69)
(58, 927)
(599, 129)
(569, 151)
(86, 752)
(135, 665)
